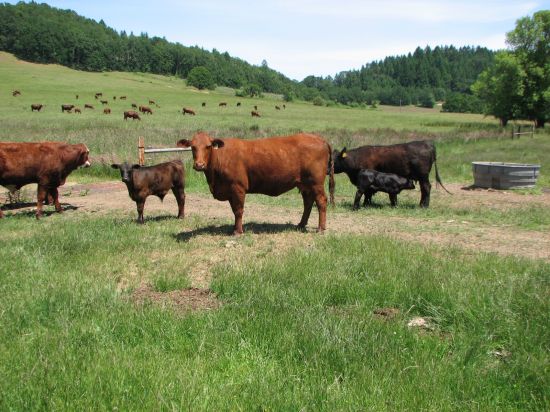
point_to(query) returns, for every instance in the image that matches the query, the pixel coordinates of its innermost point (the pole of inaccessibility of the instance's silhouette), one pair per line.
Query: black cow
(370, 181)
(411, 160)
(154, 180)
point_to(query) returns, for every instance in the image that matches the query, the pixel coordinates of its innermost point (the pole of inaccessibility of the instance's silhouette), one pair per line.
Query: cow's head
(340, 160)
(84, 157)
(409, 184)
(126, 170)
(201, 145)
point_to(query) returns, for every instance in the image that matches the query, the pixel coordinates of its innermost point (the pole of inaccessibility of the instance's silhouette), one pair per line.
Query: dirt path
(475, 237)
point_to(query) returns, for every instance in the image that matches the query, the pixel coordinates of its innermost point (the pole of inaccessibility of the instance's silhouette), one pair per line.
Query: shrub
(201, 78)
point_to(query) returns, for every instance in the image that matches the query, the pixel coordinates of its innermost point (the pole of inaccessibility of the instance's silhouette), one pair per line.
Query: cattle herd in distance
(131, 114)
(300, 161)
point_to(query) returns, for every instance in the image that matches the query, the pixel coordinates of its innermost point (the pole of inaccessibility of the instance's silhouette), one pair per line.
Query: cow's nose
(199, 166)
(87, 164)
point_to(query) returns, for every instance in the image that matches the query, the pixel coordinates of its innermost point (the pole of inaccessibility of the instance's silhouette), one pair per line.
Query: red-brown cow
(77, 110)
(104, 102)
(16, 93)
(67, 108)
(270, 166)
(47, 163)
(145, 109)
(185, 110)
(132, 115)
(88, 106)
(36, 107)
(223, 104)
(254, 113)
(107, 111)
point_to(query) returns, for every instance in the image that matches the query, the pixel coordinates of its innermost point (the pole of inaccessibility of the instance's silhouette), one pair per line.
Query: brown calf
(77, 110)
(145, 109)
(254, 113)
(185, 110)
(270, 166)
(47, 163)
(132, 115)
(106, 111)
(36, 107)
(154, 180)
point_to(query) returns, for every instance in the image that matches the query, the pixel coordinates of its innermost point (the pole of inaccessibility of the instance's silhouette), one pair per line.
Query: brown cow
(132, 115)
(67, 108)
(255, 107)
(99, 94)
(154, 180)
(104, 102)
(277, 107)
(47, 163)
(284, 106)
(88, 106)
(16, 93)
(36, 107)
(270, 166)
(238, 104)
(145, 109)
(122, 97)
(152, 101)
(222, 104)
(188, 111)
(254, 113)
(106, 111)
(134, 105)
(77, 110)
(76, 96)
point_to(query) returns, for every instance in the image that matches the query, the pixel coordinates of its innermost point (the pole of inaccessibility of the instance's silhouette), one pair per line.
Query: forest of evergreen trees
(44, 34)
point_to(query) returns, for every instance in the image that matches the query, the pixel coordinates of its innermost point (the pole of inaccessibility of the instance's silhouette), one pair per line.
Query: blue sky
(319, 37)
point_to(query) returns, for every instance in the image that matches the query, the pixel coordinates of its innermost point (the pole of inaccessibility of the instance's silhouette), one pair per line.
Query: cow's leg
(308, 199)
(54, 194)
(368, 198)
(140, 206)
(357, 200)
(321, 202)
(41, 194)
(393, 199)
(237, 205)
(425, 188)
(180, 198)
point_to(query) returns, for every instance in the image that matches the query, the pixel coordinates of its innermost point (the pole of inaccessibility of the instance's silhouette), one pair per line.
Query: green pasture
(295, 329)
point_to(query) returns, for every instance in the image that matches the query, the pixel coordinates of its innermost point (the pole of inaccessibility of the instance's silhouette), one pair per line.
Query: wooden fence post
(141, 151)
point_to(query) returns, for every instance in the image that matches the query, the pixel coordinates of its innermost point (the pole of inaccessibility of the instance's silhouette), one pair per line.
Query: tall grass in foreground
(296, 331)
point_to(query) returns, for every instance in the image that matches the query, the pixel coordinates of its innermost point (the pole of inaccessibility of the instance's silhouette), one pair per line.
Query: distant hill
(44, 34)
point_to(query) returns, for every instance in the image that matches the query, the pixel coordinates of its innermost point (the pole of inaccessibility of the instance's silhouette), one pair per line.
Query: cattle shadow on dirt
(380, 206)
(253, 228)
(32, 212)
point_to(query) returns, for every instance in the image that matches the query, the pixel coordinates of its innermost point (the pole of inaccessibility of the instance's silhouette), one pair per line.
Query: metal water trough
(497, 175)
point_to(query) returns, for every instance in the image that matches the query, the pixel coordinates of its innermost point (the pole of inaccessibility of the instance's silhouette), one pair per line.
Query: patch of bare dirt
(184, 300)
(104, 198)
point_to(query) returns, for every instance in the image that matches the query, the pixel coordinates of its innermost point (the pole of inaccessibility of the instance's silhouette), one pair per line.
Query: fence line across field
(142, 150)
(530, 128)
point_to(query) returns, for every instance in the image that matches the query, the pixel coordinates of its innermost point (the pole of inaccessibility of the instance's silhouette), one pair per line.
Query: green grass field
(295, 329)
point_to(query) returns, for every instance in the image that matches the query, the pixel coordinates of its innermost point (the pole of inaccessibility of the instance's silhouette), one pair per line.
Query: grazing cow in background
(254, 113)
(36, 107)
(16, 93)
(107, 111)
(77, 110)
(255, 107)
(67, 108)
(47, 163)
(122, 97)
(270, 166)
(88, 106)
(370, 181)
(152, 102)
(222, 104)
(411, 160)
(203, 104)
(134, 105)
(284, 106)
(114, 97)
(238, 104)
(145, 109)
(99, 94)
(185, 110)
(277, 108)
(154, 180)
(132, 115)
(76, 96)
(104, 102)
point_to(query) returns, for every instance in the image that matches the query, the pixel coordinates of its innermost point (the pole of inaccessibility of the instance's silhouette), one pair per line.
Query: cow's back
(270, 166)
(413, 160)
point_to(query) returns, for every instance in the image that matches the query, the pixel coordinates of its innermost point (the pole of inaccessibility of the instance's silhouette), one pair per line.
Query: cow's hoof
(301, 228)
(237, 233)
(321, 231)
(181, 216)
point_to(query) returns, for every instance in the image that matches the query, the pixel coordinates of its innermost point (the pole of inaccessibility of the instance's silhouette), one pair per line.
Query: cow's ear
(115, 166)
(343, 153)
(183, 143)
(217, 143)
(136, 166)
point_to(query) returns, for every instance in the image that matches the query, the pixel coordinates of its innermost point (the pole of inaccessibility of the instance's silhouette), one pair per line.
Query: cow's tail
(437, 177)
(331, 184)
